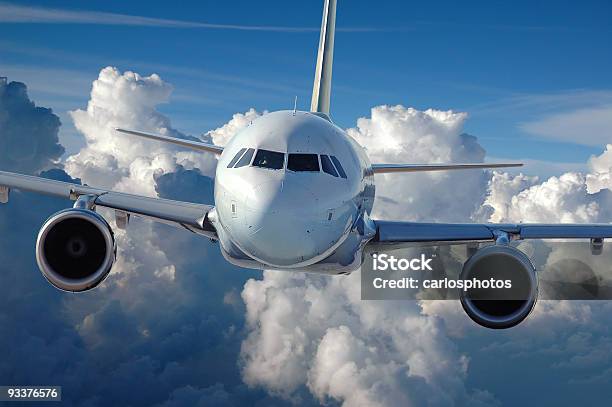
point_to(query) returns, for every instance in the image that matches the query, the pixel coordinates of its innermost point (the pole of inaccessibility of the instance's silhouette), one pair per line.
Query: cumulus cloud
(316, 331)
(396, 134)
(590, 126)
(601, 171)
(239, 121)
(122, 162)
(28, 133)
(559, 199)
(501, 189)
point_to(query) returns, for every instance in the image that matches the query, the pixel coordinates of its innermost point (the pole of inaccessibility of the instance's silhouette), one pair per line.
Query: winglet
(321, 91)
(4, 194)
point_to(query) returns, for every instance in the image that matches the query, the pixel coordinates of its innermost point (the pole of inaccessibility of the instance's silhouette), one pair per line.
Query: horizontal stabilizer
(385, 168)
(195, 145)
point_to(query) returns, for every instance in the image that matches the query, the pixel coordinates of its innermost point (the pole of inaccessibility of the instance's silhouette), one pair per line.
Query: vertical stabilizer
(321, 90)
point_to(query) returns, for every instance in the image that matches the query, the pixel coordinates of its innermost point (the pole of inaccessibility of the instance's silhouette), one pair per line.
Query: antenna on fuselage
(321, 91)
(295, 105)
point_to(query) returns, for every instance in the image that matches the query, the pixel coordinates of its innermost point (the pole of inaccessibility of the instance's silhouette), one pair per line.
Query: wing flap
(566, 231)
(387, 168)
(395, 232)
(399, 232)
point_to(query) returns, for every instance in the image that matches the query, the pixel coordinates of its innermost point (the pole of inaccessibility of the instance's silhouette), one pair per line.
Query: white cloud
(396, 134)
(589, 126)
(239, 121)
(601, 171)
(316, 331)
(11, 13)
(123, 162)
(502, 187)
(558, 199)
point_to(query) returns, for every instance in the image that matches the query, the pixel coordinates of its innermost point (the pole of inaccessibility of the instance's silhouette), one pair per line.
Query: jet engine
(75, 249)
(495, 307)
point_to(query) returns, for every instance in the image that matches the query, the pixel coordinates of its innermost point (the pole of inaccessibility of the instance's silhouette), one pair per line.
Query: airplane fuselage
(293, 191)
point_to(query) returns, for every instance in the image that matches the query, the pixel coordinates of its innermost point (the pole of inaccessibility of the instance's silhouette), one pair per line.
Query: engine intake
(75, 249)
(500, 308)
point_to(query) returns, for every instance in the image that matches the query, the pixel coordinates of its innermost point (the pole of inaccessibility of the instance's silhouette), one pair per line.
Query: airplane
(293, 191)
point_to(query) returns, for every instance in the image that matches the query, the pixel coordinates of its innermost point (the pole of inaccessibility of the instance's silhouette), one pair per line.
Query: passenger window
(327, 166)
(338, 166)
(303, 162)
(246, 158)
(269, 159)
(236, 157)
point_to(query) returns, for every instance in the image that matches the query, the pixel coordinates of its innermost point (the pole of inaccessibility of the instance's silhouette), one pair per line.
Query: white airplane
(292, 191)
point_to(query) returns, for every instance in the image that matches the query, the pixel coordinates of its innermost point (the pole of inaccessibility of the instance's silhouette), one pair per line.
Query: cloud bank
(29, 133)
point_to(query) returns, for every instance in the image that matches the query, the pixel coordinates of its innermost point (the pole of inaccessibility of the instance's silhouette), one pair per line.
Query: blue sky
(529, 74)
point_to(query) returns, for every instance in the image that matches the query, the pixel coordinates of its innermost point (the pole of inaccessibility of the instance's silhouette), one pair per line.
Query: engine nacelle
(500, 308)
(75, 249)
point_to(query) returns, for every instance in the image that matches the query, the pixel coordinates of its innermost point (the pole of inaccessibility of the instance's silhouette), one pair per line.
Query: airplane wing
(191, 216)
(450, 233)
(386, 168)
(195, 145)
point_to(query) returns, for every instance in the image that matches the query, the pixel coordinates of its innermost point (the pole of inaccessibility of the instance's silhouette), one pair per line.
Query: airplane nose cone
(283, 224)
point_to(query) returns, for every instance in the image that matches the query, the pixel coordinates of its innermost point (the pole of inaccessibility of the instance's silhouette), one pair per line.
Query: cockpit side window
(303, 162)
(236, 157)
(246, 158)
(338, 166)
(269, 159)
(327, 166)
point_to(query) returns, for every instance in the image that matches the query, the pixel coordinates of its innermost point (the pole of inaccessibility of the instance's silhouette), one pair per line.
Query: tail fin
(321, 90)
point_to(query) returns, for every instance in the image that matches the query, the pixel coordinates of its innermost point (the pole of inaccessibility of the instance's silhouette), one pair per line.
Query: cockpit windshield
(338, 166)
(246, 158)
(236, 157)
(269, 159)
(303, 162)
(298, 162)
(327, 166)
